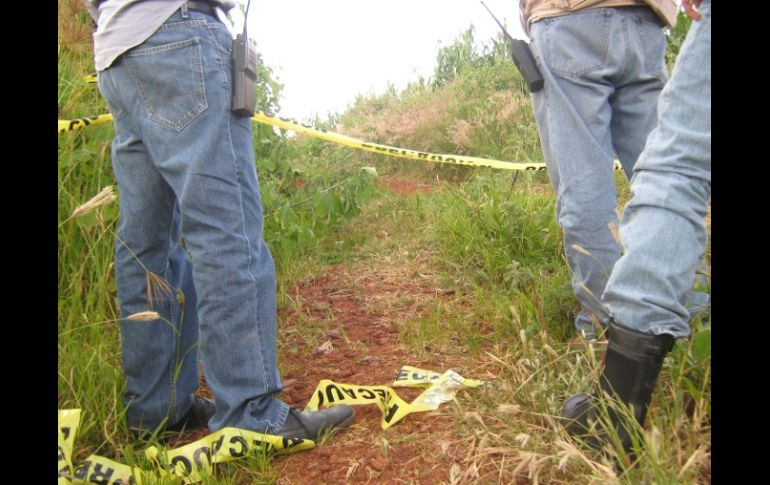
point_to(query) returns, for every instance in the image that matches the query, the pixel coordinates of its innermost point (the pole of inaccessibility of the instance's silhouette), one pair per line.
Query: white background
(327, 52)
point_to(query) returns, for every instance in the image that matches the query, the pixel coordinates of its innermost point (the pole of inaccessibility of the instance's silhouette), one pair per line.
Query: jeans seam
(173, 319)
(626, 50)
(239, 177)
(218, 50)
(571, 265)
(236, 164)
(106, 77)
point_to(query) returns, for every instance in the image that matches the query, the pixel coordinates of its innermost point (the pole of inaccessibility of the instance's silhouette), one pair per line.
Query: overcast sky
(326, 52)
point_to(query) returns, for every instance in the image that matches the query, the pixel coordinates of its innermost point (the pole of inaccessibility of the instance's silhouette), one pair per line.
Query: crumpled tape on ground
(410, 376)
(188, 463)
(440, 390)
(194, 461)
(69, 421)
(98, 469)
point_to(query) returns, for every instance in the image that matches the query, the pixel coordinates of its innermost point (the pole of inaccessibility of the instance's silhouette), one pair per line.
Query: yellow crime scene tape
(69, 420)
(192, 462)
(187, 464)
(288, 124)
(77, 123)
(293, 125)
(440, 389)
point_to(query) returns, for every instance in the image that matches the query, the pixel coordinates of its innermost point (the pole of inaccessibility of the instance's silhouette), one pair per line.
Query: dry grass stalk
(580, 250)
(157, 288)
(510, 409)
(570, 451)
(616, 236)
(105, 196)
(699, 455)
(75, 30)
(146, 316)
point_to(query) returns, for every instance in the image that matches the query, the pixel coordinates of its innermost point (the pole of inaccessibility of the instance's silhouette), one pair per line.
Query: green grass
(486, 238)
(498, 251)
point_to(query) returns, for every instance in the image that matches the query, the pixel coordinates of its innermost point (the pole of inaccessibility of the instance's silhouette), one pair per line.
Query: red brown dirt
(355, 310)
(406, 186)
(365, 350)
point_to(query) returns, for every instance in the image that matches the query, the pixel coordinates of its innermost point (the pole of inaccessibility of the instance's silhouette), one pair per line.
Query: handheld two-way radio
(522, 58)
(244, 55)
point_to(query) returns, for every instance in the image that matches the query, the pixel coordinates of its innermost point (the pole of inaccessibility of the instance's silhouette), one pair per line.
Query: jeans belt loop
(201, 6)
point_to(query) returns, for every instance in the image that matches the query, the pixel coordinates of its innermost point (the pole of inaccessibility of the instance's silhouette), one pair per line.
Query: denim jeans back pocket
(169, 79)
(654, 44)
(576, 43)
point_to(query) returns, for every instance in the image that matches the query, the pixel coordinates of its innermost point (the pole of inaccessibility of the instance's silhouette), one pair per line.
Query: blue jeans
(663, 227)
(190, 213)
(603, 69)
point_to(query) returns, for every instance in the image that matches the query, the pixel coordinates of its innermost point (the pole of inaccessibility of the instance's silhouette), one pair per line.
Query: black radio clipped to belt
(244, 56)
(522, 59)
(244, 76)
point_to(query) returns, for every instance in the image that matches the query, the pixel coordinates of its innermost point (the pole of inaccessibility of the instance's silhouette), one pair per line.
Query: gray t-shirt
(123, 24)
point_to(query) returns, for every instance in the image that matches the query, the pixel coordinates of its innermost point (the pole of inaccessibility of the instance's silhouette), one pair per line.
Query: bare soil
(353, 312)
(366, 350)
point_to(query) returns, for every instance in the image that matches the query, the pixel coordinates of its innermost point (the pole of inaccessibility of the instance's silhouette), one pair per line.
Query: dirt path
(343, 326)
(357, 309)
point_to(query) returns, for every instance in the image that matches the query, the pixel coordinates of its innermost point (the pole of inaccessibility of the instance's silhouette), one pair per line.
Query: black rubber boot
(631, 367)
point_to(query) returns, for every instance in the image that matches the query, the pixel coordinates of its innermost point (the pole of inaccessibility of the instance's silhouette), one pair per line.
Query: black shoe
(197, 417)
(631, 367)
(578, 410)
(310, 425)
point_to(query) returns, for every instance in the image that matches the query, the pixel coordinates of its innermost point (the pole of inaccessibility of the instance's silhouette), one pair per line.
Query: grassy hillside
(495, 303)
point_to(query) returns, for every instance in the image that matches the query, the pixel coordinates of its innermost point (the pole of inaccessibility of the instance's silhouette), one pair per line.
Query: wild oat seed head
(146, 316)
(105, 196)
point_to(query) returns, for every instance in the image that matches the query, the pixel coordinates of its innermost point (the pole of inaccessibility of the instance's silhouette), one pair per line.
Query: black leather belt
(204, 7)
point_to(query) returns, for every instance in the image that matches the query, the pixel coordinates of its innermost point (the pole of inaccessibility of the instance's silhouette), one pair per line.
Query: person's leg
(152, 273)
(663, 231)
(663, 226)
(178, 85)
(185, 145)
(582, 56)
(634, 106)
